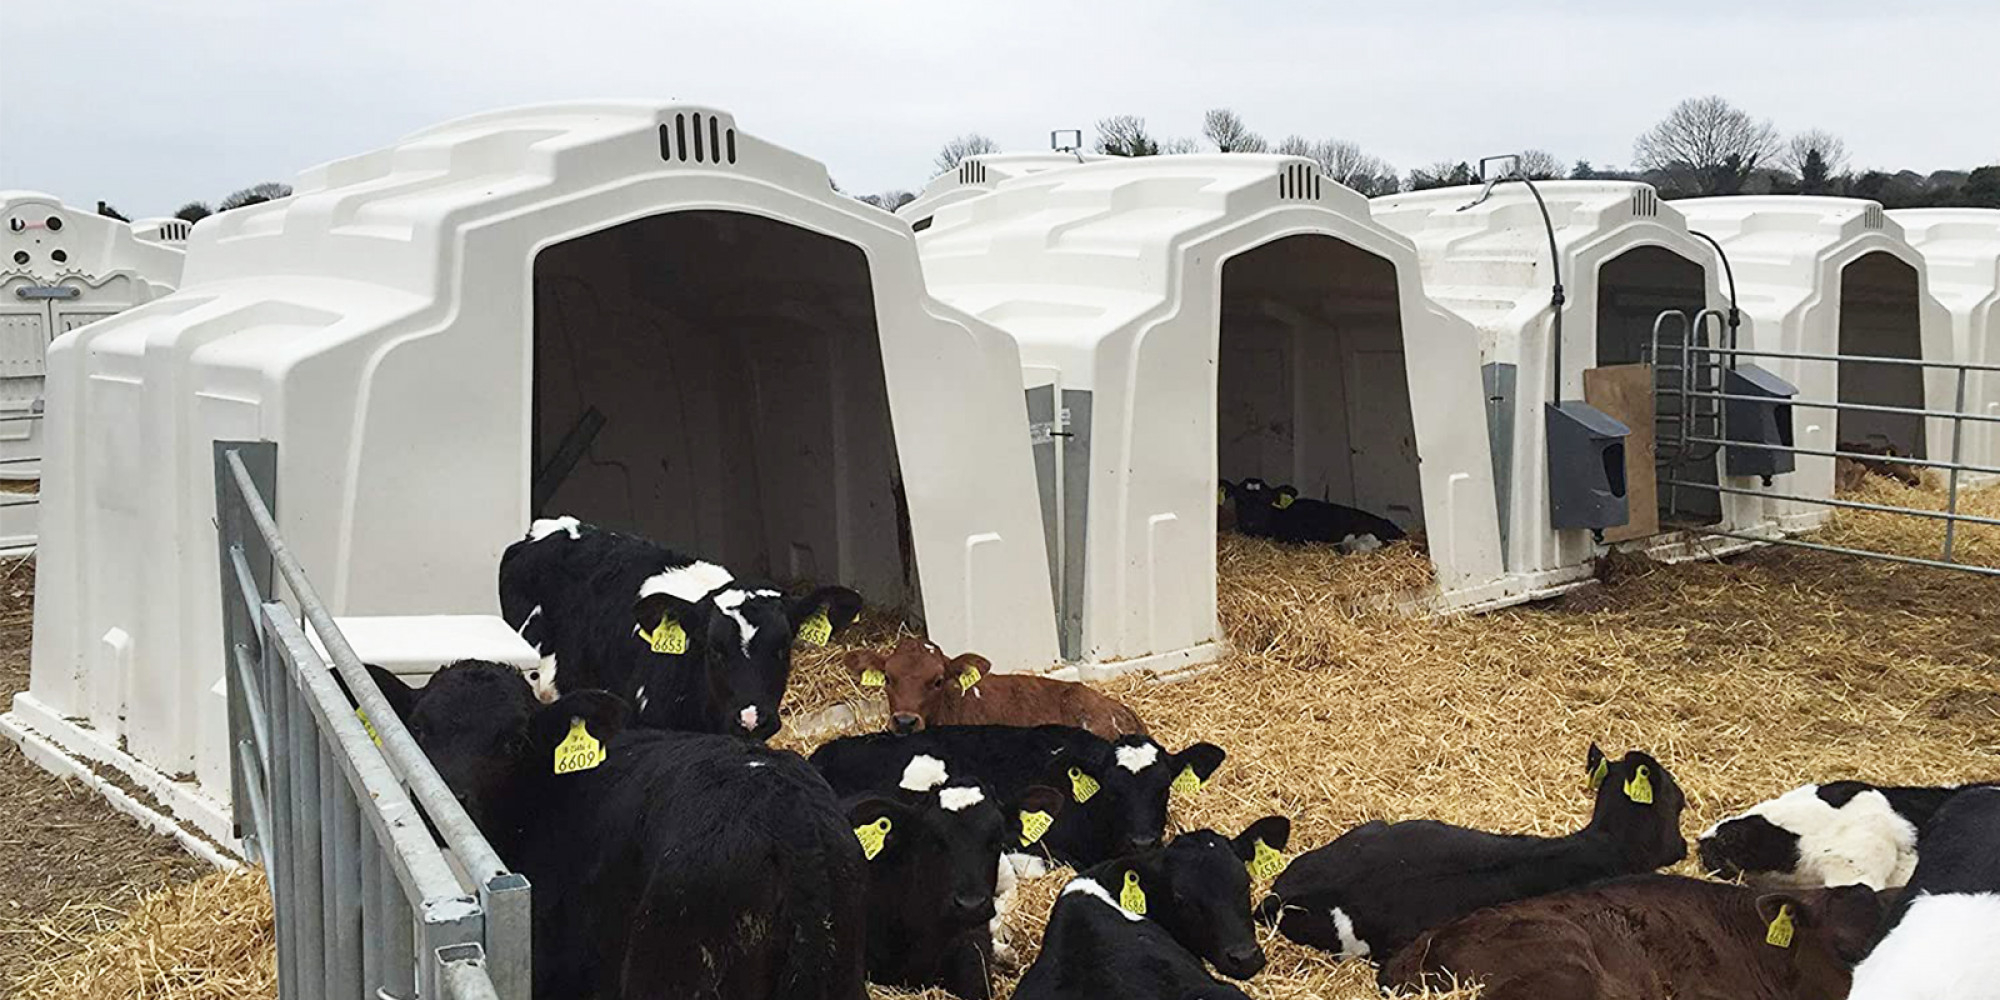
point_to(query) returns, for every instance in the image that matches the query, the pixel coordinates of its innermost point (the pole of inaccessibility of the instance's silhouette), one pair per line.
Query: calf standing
(691, 646)
(1379, 885)
(1140, 927)
(934, 861)
(1942, 933)
(1833, 834)
(1279, 513)
(1652, 937)
(1118, 789)
(926, 689)
(664, 864)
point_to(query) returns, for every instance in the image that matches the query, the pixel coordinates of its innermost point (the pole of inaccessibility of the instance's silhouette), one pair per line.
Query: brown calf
(1652, 937)
(926, 689)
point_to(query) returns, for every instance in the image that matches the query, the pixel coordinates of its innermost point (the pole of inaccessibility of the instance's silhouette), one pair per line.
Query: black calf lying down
(664, 864)
(1140, 927)
(1118, 790)
(934, 854)
(1379, 885)
(1940, 943)
(1278, 512)
(1650, 937)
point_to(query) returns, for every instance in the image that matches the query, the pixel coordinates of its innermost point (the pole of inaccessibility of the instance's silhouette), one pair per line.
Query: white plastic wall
(976, 175)
(1624, 257)
(60, 267)
(417, 326)
(1833, 276)
(1219, 315)
(1961, 250)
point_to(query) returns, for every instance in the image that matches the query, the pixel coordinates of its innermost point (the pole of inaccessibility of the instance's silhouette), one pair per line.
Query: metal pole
(1951, 498)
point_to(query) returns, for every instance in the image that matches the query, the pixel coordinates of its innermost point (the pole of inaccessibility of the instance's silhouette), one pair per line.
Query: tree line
(1705, 146)
(195, 211)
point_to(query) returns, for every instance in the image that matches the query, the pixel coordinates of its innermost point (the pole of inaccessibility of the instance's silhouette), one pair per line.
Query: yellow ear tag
(1081, 786)
(579, 751)
(968, 679)
(669, 637)
(367, 726)
(1284, 501)
(1268, 862)
(1640, 788)
(1132, 898)
(1221, 495)
(872, 837)
(1780, 934)
(1598, 773)
(816, 629)
(1187, 782)
(873, 678)
(1033, 825)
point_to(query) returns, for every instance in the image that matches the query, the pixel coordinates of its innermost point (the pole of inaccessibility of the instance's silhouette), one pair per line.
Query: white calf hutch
(1835, 276)
(976, 175)
(1624, 257)
(639, 315)
(1961, 250)
(1188, 317)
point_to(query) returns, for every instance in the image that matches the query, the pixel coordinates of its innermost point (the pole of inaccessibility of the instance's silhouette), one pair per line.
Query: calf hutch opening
(1188, 319)
(1311, 385)
(535, 311)
(1880, 318)
(1633, 289)
(713, 381)
(1961, 251)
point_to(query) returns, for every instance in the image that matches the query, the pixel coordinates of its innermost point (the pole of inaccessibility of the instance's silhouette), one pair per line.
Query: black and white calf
(936, 875)
(1840, 833)
(664, 864)
(1379, 885)
(1118, 791)
(1279, 513)
(1140, 927)
(1941, 934)
(693, 647)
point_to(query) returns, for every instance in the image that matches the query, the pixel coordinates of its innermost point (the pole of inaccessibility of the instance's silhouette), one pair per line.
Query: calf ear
(402, 698)
(1273, 831)
(1594, 764)
(1850, 916)
(1031, 813)
(1204, 758)
(861, 661)
(970, 661)
(667, 623)
(604, 715)
(837, 605)
(880, 823)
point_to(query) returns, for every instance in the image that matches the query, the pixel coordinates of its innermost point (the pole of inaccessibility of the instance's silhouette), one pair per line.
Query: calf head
(740, 637)
(1257, 503)
(483, 730)
(917, 677)
(1639, 805)
(1197, 888)
(1751, 846)
(1119, 793)
(1822, 933)
(934, 850)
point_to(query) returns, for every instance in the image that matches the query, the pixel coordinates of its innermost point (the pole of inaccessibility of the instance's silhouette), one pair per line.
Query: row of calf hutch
(1004, 414)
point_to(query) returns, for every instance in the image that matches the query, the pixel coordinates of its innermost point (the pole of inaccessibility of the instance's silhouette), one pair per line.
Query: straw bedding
(1747, 677)
(207, 940)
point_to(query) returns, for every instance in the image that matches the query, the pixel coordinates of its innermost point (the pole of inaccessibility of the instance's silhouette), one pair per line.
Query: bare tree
(1831, 149)
(1125, 135)
(193, 211)
(888, 201)
(1181, 144)
(960, 147)
(1344, 161)
(1443, 173)
(1226, 130)
(1705, 145)
(1538, 165)
(109, 212)
(255, 195)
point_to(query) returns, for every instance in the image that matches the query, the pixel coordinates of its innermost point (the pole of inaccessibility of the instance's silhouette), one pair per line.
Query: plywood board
(1626, 393)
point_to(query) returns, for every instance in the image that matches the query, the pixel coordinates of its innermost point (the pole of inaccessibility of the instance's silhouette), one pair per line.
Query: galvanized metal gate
(1712, 395)
(333, 797)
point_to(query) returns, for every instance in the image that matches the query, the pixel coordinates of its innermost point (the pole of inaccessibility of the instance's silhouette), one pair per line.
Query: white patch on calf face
(546, 526)
(543, 680)
(1089, 887)
(731, 603)
(959, 799)
(1864, 841)
(1350, 946)
(688, 583)
(748, 717)
(923, 773)
(1138, 758)
(534, 613)
(1026, 865)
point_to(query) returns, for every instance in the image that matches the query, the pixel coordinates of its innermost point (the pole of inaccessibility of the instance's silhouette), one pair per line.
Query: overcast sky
(151, 103)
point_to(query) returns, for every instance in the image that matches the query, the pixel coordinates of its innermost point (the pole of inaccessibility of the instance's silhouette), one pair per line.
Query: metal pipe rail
(368, 902)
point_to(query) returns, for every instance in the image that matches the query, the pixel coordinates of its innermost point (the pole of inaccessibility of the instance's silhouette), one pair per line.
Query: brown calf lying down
(1850, 473)
(1652, 937)
(926, 689)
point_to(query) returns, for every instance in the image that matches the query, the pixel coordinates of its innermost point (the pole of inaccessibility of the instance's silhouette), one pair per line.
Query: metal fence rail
(369, 903)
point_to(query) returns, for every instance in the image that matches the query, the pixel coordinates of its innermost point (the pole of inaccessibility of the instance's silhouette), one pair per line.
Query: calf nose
(907, 723)
(970, 903)
(1244, 960)
(748, 718)
(1143, 842)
